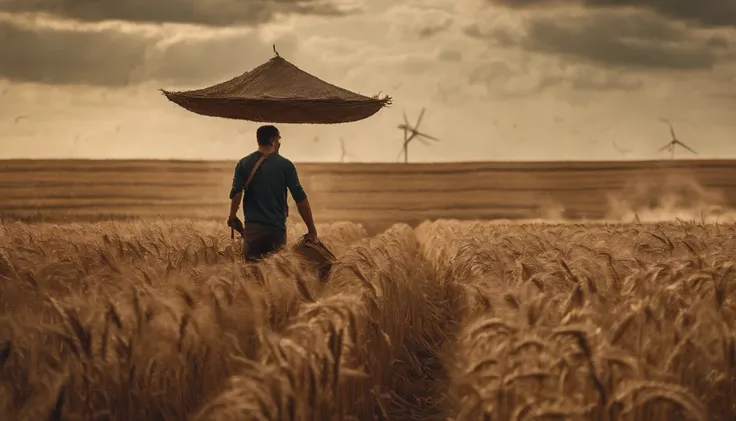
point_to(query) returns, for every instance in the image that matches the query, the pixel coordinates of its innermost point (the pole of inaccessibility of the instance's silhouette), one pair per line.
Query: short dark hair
(265, 134)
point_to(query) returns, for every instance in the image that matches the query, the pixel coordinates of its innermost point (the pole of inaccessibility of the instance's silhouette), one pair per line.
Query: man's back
(265, 200)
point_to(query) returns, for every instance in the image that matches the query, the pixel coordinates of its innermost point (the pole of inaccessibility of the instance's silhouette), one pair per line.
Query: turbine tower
(411, 133)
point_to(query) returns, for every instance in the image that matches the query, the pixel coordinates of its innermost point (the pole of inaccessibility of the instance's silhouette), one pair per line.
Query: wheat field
(109, 317)
(158, 320)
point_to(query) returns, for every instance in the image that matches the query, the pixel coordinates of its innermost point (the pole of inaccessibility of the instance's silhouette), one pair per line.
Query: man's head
(269, 136)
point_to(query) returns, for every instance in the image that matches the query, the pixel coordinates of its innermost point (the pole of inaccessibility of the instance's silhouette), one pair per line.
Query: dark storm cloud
(703, 12)
(631, 41)
(66, 56)
(110, 57)
(203, 12)
(624, 39)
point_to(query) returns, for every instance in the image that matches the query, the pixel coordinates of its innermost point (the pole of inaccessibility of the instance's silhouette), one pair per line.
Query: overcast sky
(501, 79)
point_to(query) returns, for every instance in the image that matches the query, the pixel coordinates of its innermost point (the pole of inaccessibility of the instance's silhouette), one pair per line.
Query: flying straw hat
(279, 92)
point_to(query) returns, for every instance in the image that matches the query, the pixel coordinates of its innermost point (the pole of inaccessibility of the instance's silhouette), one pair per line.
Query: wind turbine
(411, 133)
(674, 142)
(343, 152)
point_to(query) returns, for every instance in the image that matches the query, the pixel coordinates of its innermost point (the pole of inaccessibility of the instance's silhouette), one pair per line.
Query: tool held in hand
(235, 224)
(317, 254)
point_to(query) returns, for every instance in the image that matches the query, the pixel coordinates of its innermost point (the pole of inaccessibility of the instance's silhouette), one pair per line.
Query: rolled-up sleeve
(292, 182)
(238, 180)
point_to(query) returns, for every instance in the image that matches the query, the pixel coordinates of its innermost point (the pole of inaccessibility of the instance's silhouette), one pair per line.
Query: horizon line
(618, 161)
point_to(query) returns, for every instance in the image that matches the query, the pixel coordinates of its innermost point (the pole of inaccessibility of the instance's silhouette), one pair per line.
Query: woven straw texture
(279, 92)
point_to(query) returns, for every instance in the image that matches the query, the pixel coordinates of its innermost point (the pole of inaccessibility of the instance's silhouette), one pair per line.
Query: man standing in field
(264, 203)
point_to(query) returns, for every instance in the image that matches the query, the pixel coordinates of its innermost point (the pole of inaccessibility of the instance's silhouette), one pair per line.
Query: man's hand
(235, 223)
(312, 237)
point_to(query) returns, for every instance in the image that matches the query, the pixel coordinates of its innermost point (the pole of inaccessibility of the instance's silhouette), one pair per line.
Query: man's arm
(306, 213)
(300, 197)
(236, 192)
(235, 204)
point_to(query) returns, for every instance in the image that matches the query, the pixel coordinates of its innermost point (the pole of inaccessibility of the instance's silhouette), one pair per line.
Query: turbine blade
(406, 120)
(665, 147)
(428, 136)
(419, 120)
(672, 130)
(685, 146)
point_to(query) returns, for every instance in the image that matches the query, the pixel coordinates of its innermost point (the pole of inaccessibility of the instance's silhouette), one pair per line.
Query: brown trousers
(261, 240)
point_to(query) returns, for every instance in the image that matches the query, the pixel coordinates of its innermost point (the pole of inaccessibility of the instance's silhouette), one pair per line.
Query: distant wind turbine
(411, 133)
(674, 142)
(343, 152)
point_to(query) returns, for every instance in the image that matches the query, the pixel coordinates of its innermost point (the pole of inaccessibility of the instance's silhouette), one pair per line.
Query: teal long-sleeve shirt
(265, 200)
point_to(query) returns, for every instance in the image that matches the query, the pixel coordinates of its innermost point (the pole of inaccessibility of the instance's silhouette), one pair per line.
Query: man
(264, 203)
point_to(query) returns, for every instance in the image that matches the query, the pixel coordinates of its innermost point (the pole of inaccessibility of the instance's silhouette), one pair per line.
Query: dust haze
(675, 197)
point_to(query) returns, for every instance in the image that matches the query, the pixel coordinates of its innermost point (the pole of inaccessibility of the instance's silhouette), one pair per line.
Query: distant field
(369, 193)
